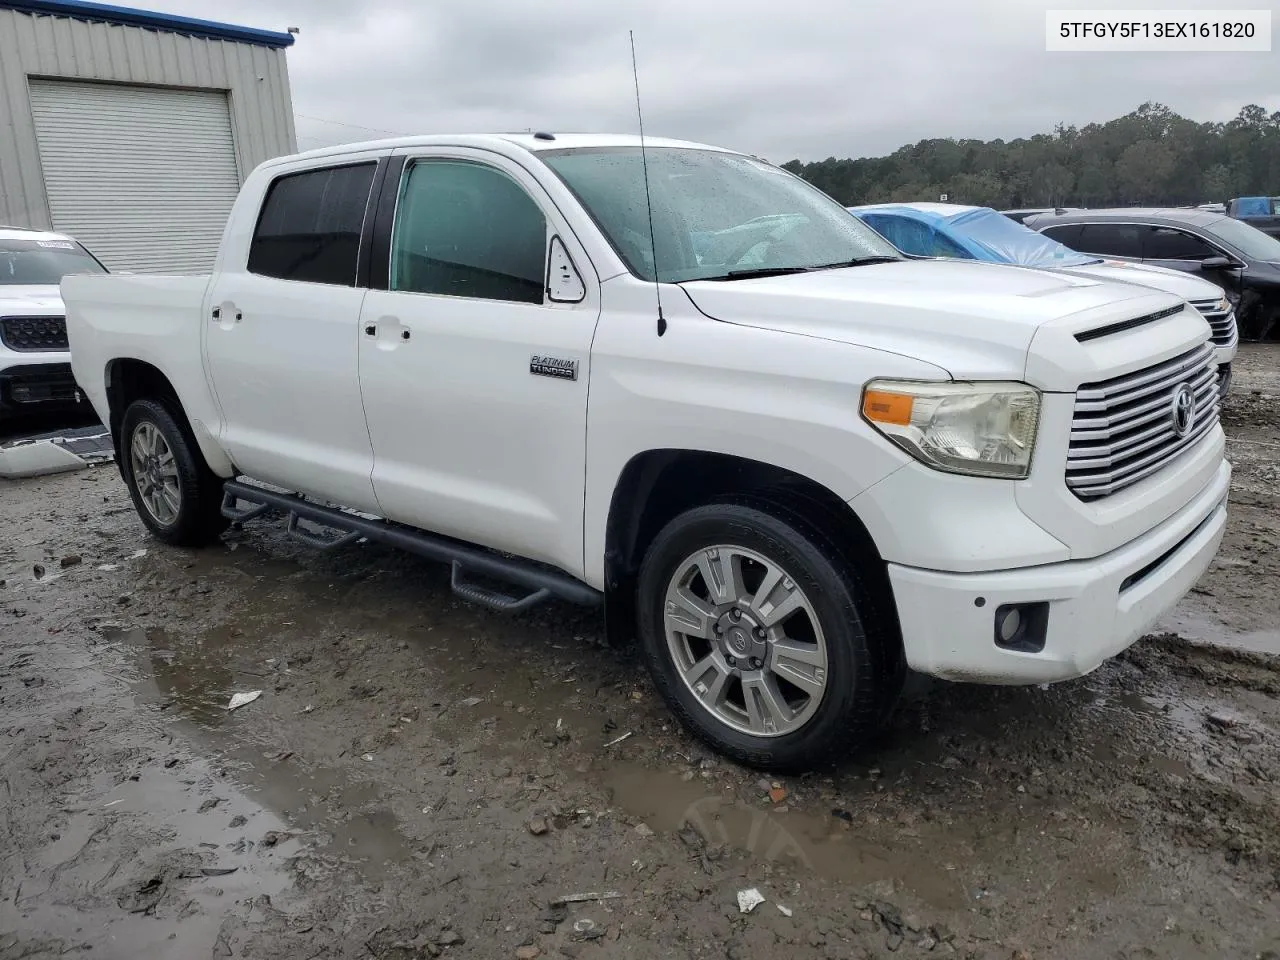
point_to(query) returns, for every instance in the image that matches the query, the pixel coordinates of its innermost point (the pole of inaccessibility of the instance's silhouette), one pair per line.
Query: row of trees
(1150, 156)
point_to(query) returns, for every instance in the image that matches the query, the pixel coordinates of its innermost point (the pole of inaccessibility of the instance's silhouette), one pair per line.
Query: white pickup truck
(789, 460)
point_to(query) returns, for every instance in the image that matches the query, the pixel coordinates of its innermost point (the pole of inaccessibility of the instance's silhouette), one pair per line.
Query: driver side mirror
(1217, 263)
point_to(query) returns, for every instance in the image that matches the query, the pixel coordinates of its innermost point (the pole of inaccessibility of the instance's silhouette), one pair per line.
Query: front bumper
(32, 388)
(1095, 608)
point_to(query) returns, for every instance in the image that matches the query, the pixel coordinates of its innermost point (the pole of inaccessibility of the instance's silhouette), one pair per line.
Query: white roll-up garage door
(143, 176)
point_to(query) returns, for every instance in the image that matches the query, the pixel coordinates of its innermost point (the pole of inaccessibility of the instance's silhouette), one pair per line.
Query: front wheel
(175, 493)
(760, 637)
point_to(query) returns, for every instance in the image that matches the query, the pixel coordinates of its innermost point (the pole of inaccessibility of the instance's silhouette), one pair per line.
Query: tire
(833, 638)
(189, 514)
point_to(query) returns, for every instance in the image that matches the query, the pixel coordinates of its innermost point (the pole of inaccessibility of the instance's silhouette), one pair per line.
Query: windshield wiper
(759, 272)
(784, 271)
(857, 262)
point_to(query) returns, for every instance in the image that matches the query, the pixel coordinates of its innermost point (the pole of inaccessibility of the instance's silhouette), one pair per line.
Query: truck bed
(154, 319)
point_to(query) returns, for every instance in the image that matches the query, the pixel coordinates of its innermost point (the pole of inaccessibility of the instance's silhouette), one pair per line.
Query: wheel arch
(657, 485)
(128, 379)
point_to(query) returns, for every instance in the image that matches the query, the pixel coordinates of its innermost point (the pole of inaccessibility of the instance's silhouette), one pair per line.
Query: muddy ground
(420, 778)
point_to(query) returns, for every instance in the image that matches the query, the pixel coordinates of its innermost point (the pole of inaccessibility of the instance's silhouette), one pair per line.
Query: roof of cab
(499, 142)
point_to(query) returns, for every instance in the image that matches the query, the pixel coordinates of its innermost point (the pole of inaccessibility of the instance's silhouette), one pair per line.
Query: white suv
(35, 361)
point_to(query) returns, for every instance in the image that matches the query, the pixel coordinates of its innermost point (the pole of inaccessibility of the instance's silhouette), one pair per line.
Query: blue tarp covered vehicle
(967, 233)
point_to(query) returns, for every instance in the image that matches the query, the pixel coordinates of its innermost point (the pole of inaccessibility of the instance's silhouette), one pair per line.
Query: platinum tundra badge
(556, 367)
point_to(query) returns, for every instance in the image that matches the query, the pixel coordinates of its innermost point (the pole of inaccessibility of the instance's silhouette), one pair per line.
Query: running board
(235, 514)
(540, 582)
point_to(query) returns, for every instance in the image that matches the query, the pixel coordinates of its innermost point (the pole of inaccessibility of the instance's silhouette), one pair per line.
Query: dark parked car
(1241, 259)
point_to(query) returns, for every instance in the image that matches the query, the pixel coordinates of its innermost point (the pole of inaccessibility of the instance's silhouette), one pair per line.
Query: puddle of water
(195, 679)
(119, 836)
(820, 844)
(1205, 629)
(1115, 738)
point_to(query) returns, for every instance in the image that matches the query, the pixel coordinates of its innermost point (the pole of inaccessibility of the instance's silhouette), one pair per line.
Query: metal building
(132, 131)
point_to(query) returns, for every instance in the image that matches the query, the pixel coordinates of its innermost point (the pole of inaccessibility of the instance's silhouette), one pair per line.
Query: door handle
(389, 336)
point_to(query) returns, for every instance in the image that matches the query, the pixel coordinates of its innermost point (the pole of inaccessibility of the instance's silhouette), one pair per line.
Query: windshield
(714, 213)
(1010, 242)
(1249, 240)
(43, 262)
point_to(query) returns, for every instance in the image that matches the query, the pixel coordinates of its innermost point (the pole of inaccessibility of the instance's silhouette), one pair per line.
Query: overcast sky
(779, 78)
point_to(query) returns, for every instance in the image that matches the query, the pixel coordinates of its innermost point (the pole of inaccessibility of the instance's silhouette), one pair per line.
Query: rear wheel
(760, 638)
(175, 493)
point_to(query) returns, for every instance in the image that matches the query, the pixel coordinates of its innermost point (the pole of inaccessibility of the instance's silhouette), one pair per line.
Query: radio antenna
(648, 198)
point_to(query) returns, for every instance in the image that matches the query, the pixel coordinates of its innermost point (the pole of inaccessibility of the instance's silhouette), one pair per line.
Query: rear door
(282, 337)
(474, 378)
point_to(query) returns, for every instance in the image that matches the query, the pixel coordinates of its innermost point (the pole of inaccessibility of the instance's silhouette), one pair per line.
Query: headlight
(980, 429)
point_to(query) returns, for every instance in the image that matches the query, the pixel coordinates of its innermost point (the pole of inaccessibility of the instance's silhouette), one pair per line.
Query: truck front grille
(33, 334)
(1221, 322)
(1129, 427)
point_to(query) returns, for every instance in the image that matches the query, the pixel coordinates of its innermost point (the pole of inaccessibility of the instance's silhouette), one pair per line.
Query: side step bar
(541, 582)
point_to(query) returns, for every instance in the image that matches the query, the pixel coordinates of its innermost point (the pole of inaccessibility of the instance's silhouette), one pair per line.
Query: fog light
(1022, 626)
(1008, 623)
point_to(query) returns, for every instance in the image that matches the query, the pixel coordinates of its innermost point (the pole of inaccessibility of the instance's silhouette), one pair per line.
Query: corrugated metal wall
(44, 46)
(145, 177)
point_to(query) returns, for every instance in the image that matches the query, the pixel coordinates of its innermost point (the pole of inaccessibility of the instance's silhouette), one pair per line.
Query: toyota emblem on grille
(1184, 410)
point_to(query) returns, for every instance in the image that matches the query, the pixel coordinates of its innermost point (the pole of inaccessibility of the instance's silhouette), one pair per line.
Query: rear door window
(1112, 239)
(310, 225)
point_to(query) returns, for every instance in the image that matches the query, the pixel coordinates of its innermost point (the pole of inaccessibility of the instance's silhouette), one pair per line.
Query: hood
(973, 319)
(1180, 284)
(44, 298)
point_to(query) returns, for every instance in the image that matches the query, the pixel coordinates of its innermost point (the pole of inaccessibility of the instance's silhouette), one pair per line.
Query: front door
(282, 339)
(474, 379)
(1180, 250)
